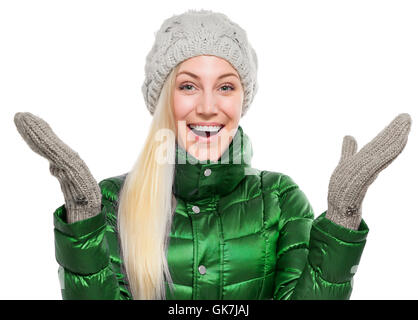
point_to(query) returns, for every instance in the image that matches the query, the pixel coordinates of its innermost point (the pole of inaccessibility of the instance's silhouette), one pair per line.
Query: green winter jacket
(237, 233)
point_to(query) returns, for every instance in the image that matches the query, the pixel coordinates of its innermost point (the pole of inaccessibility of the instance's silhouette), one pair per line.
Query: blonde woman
(192, 219)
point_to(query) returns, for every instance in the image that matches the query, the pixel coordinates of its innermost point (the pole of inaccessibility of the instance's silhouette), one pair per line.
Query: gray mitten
(81, 192)
(357, 170)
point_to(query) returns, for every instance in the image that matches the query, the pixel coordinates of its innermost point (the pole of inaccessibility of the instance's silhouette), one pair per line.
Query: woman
(193, 219)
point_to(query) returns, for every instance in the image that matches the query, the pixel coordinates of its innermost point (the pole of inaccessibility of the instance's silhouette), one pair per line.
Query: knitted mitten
(81, 192)
(356, 171)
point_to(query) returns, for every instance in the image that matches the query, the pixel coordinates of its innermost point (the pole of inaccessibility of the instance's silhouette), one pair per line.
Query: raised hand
(81, 192)
(357, 170)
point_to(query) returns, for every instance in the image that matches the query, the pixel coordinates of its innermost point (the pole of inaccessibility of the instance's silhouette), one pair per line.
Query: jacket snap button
(207, 172)
(202, 269)
(195, 209)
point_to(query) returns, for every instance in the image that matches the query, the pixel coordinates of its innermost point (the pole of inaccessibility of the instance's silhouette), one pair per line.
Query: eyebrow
(197, 77)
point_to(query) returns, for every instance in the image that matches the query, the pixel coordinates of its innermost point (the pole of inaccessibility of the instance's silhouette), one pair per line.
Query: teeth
(206, 128)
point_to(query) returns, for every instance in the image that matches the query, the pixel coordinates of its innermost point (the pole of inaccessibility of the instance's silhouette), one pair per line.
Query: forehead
(207, 64)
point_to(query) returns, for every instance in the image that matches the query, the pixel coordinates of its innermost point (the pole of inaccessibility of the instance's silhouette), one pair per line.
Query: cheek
(233, 108)
(182, 106)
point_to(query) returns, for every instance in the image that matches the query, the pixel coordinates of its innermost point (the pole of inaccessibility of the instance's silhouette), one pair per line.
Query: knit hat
(193, 33)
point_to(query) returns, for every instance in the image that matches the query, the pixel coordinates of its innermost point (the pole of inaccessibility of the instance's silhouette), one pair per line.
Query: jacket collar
(190, 180)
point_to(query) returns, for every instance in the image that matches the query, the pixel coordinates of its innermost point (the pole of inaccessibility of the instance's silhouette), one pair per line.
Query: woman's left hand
(357, 170)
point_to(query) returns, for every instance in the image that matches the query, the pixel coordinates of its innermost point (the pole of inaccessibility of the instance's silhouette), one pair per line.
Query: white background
(326, 69)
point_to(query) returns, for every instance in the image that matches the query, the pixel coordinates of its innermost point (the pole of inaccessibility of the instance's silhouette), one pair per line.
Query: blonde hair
(146, 206)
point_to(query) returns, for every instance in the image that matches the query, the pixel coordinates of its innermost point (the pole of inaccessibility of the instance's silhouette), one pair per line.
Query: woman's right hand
(81, 192)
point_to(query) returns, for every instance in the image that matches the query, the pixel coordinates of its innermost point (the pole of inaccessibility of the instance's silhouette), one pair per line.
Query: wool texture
(82, 194)
(194, 33)
(357, 170)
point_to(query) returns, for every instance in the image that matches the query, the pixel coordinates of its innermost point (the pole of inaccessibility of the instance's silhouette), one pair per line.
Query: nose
(207, 106)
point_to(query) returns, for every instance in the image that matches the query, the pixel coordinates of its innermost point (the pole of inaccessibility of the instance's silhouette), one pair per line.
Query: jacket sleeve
(87, 252)
(316, 258)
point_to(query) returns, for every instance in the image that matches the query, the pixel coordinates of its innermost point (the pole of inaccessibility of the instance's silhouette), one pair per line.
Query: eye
(231, 88)
(186, 87)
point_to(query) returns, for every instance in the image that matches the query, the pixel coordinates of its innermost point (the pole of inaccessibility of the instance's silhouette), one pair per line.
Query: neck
(196, 179)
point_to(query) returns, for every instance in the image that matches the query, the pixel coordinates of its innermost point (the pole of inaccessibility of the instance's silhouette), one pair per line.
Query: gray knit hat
(194, 33)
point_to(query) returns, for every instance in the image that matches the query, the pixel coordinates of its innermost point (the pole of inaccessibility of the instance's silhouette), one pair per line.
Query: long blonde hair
(146, 206)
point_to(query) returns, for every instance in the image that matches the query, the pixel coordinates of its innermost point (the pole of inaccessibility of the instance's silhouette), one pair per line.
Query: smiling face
(207, 105)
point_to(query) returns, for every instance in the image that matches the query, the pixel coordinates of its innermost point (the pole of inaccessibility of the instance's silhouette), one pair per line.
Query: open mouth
(205, 131)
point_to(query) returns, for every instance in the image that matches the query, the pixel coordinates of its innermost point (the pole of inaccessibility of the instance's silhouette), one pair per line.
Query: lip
(201, 139)
(206, 124)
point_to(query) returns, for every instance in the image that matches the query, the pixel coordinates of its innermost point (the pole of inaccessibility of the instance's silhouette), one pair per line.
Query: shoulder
(273, 181)
(110, 187)
(292, 200)
(282, 187)
(280, 194)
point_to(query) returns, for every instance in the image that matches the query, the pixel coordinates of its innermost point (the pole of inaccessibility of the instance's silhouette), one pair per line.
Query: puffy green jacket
(237, 233)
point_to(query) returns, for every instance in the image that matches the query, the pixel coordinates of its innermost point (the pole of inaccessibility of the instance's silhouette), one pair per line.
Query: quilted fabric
(237, 233)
